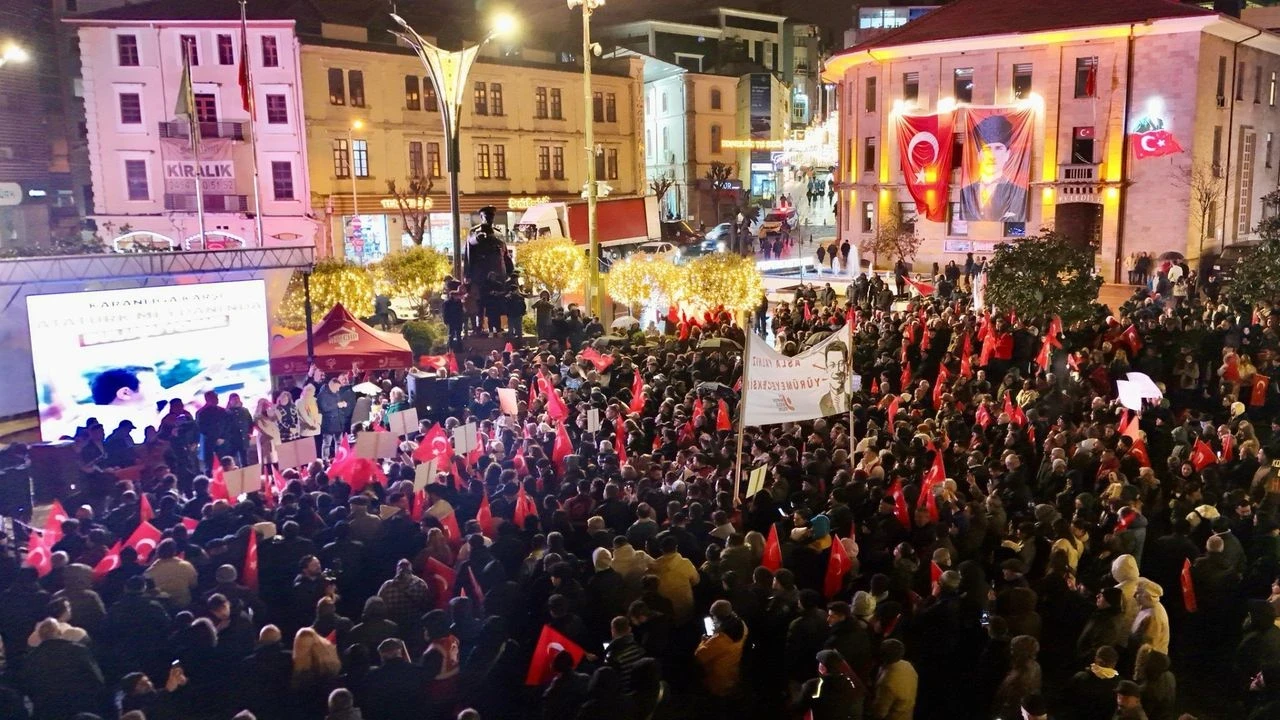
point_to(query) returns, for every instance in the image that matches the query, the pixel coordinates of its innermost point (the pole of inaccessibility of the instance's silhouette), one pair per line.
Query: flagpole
(189, 102)
(253, 121)
(742, 410)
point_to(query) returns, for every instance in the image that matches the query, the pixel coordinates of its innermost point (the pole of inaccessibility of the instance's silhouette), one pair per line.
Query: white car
(661, 249)
(404, 308)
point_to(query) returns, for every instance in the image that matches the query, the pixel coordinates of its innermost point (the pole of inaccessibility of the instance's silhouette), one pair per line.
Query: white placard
(297, 453)
(423, 474)
(1130, 395)
(1145, 386)
(375, 445)
(755, 480)
(404, 422)
(593, 420)
(242, 481)
(464, 438)
(507, 401)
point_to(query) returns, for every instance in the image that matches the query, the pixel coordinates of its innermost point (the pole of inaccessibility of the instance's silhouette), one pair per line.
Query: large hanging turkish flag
(924, 153)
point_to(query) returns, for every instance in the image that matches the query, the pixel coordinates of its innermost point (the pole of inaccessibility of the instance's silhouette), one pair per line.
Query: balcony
(1078, 173)
(212, 203)
(178, 129)
(1078, 183)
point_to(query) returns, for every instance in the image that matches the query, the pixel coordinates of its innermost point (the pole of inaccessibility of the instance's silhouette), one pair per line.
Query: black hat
(995, 129)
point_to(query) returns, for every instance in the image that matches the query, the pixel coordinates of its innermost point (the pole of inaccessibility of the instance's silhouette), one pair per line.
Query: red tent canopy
(340, 340)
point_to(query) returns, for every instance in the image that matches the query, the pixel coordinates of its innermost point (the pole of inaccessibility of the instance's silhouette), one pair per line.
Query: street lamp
(13, 53)
(355, 198)
(589, 139)
(448, 71)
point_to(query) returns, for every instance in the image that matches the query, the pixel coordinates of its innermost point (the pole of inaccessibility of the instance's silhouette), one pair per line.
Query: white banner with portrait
(810, 385)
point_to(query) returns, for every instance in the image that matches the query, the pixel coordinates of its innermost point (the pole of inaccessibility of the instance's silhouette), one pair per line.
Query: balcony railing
(186, 202)
(180, 130)
(1078, 173)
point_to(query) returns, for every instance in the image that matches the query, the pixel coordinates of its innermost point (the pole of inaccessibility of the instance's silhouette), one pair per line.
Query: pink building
(141, 161)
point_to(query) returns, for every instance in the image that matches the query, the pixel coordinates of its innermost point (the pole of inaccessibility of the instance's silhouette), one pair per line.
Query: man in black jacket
(396, 690)
(263, 672)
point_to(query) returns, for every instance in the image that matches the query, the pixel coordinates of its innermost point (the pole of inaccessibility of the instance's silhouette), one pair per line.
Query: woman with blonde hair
(309, 414)
(316, 667)
(266, 423)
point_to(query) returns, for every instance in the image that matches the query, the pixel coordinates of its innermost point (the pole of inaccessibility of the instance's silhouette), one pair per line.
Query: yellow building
(371, 117)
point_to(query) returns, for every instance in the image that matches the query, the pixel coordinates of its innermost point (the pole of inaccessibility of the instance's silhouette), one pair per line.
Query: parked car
(404, 308)
(660, 248)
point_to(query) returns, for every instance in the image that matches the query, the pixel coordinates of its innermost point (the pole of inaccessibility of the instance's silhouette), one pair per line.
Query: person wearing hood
(676, 578)
(342, 706)
(1124, 570)
(1150, 630)
(1159, 689)
(1024, 676)
(631, 564)
(836, 694)
(1091, 693)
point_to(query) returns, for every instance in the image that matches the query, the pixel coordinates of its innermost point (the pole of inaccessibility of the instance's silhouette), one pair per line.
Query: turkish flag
(1042, 358)
(144, 507)
(190, 524)
(476, 590)
(923, 288)
(1055, 329)
(937, 472)
(1228, 446)
(900, 504)
(556, 408)
(924, 153)
(838, 565)
(698, 409)
(433, 444)
(484, 516)
(935, 573)
(620, 440)
(893, 410)
(1188, 587)
(601, 362)
(451, 530)
(524, 507)
(446, 573)
(1072, 362)
(550, 644)
(218, 485)
(722, 417)
(637, 394)
(562, 448)
(1201, 455)
(906, 376)
(144, 540)
(418, 506)
(109, 562)
(38, 554)
(1155, 143)
(938, 383)
(53, 523)
(772, 551)
(1259, 395)
(251, 561)
(1130, 336)
(1132, 431)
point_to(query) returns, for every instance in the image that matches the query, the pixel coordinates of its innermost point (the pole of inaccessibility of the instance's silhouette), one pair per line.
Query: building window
(1240, 81)
(481, 98)
(282, 179)
(429, 101)
(135, 178)
(540, 103)
(130, 109)
(715, 139)
(600, 166)
(341, 159)
(415, 158)
(868, 217)
(1271, 90)
(206, 108)
(611, 107)
(500, 162)
(715, 99)
(956, 224)
(482, 161)
(544, 162)
(1015, 229)
(226, 50)
(337, 89)
(1021, 81)
(270, 53)
(1082, 145)
(597, 107)
(557, 109)
(910, 86)
(869, 155)
(871, 95)
(433, 159)
(664, 141)
(190, 48)
(557, 162)
(962, 84)
(412, 100)
(663, 102)
(907, 211)
(1217, 151)
(1267, 157)
(1086, 77)
(277, 110)
(1257, 85)
(957, 150)
(1222, 80)
(495, 99)
(127, 51)
(355, 85)
(611, 163)
(360, 157)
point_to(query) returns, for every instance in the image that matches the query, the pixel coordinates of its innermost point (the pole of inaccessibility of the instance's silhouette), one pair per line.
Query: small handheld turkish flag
(251, 561)
(38, 555)
(550, 644)
(772, 551)
(1188, 587)
(53, 523)
(838, 565)
(144, 540)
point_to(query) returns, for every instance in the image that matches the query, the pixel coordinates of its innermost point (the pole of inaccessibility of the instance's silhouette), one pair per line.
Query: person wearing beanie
(836, 694)
(1091, 693)
(1129, 701)
(896, 685)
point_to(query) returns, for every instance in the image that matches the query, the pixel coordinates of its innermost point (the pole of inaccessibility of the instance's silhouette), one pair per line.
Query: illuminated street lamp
(592, 192)
(448, 71)
(13, 53)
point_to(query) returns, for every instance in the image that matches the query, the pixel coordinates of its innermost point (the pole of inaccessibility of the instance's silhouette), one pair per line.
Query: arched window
(715, 99)
(715, 138)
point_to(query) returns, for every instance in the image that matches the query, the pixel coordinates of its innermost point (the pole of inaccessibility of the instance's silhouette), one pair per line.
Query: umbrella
(625, 322)
(1170, 255)
(367, 388)
(719, 343)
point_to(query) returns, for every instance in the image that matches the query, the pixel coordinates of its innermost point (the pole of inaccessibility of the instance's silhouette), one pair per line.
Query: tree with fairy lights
(556, 265)
(333, 281)
(723, 280)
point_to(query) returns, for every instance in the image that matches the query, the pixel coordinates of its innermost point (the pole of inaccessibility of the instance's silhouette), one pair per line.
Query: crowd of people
(595, 556)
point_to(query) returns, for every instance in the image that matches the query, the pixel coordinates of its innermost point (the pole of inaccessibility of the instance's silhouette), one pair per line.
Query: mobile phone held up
(708, 626)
